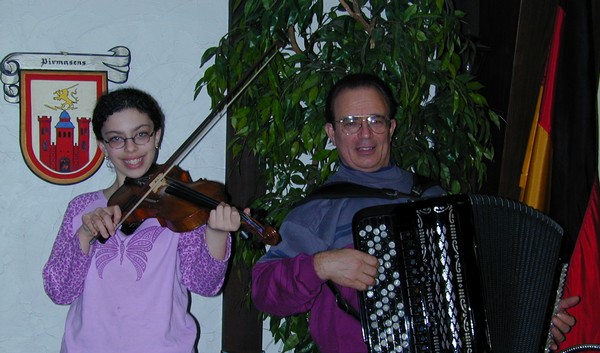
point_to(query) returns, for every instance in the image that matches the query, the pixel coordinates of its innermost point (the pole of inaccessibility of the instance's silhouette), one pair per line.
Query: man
(317, 242)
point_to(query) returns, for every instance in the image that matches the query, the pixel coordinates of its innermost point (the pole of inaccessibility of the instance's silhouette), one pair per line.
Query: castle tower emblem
(56, 136)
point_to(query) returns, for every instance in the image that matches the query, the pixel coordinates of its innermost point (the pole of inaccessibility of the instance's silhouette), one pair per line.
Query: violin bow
(209, 122)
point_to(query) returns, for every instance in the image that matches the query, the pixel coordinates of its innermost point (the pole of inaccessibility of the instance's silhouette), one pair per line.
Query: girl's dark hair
(125, 98)
(359, 80)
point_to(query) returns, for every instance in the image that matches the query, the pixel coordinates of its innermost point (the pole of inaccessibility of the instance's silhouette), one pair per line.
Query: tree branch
(358, 16)
(292, 38)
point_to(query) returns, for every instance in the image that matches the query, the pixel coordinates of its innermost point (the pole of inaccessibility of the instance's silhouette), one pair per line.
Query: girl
(131, 294)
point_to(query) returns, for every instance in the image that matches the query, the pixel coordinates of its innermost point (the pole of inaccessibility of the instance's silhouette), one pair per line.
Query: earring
(109, 163)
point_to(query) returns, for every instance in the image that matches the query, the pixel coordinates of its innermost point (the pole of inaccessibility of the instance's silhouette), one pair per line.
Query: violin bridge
(158, 182)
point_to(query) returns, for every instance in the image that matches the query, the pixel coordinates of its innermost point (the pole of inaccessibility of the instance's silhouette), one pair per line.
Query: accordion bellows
(461, 273)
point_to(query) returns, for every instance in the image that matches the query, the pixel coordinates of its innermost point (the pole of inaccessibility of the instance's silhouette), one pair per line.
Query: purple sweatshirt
(130, 294)
(284, 281)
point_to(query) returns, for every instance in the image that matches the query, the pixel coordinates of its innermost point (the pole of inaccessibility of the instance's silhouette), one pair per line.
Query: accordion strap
(339, 190)
(341, 302)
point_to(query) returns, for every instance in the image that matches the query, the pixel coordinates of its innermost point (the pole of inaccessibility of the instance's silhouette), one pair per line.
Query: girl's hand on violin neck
(224, 218)
(102, 222)
(221, 221)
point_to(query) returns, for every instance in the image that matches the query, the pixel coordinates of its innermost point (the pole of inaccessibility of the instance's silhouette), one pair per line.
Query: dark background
(512, 37)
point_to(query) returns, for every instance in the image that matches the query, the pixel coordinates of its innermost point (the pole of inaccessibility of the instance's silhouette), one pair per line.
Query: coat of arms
(56, 123)
(57, 93)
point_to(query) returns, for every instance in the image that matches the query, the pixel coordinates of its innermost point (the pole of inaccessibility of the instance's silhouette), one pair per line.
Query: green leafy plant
(415, 46)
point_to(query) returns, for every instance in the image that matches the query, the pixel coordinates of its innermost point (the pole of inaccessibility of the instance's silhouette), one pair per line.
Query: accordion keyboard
(420, 301)
(385, 311)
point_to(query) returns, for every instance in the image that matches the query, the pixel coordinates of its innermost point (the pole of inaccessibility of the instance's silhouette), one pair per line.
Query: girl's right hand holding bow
(101, 222)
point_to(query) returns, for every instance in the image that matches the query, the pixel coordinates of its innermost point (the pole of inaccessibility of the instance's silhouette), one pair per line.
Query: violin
(168, 193)
(178, 203)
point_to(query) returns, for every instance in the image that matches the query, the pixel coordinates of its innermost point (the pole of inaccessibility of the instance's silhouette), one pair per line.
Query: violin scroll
(271, 236)
(268, 234)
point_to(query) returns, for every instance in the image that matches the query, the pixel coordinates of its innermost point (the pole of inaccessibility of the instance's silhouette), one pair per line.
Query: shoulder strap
(338, 190)
(421, 184)
(347, 189)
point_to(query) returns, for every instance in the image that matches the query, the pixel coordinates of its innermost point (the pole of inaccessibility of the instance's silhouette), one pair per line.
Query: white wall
(166, 39)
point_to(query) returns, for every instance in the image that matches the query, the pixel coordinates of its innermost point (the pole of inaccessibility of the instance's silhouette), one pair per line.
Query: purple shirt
(131, 293)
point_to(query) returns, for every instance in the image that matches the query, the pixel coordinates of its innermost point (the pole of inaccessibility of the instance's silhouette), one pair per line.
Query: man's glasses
(141, 138)
(352, 124)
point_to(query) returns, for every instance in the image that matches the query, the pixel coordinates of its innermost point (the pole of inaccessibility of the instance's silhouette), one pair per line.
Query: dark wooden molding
(242, 323)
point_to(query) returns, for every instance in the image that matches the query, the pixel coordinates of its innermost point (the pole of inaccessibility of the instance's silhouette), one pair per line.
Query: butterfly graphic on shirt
(133, 248)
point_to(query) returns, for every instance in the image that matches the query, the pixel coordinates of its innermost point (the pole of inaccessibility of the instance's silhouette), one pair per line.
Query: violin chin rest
(129, 228)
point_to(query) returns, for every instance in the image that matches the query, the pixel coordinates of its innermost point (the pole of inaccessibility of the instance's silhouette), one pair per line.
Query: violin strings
(190, 194)
(194, 196)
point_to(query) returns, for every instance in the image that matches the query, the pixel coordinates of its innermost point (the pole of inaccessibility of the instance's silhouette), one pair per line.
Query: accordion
(460, 273)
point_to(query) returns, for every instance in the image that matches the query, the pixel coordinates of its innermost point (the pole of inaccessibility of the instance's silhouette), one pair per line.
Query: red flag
(583, 278)
(574, 186)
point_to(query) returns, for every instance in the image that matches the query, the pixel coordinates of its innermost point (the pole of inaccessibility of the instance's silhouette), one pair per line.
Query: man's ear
(330, 132)
(392, 128)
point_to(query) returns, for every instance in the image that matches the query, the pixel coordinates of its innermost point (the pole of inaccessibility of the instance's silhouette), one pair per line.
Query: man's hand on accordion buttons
(562, 322)
(346, 267)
